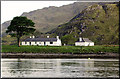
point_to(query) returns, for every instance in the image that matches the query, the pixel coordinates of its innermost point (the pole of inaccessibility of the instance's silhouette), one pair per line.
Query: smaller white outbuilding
(84, 42)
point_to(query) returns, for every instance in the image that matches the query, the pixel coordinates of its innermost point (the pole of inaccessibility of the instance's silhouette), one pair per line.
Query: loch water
(58, 68)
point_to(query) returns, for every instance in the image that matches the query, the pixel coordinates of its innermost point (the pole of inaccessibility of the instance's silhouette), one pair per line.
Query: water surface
(60, 68)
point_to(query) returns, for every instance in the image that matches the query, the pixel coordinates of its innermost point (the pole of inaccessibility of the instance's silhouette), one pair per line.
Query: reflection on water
(60, 68)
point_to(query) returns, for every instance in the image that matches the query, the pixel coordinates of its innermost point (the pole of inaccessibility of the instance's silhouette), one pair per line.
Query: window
(44, 43)
(51, 42)
(25, 42)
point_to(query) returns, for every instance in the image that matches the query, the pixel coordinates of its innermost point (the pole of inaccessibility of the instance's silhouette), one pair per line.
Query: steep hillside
(4, 27)
(99, 23)
(49, 18)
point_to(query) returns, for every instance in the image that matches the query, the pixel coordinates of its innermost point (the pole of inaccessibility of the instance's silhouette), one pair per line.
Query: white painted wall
(23, 43)
(92, 44)
(40, 43)
(32, 43)
(79, 43)
(55, 43)
(59, 43)
(84, 43)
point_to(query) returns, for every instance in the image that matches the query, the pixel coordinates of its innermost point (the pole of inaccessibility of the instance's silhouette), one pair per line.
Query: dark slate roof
(87, 40)
(41, 39)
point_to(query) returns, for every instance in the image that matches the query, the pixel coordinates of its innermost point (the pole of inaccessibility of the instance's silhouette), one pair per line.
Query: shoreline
(60, 55)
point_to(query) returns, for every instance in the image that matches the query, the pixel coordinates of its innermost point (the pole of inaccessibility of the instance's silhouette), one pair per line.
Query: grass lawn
(61, 49)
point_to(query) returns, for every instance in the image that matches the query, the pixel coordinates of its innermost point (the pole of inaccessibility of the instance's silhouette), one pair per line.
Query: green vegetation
(49, 18)
(62, 49)
(99, 23)
(19, 27)
(46, 19)
(66, 40)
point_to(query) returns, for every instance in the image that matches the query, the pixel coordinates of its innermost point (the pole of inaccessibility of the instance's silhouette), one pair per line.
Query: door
(30, 43)
(44, 44)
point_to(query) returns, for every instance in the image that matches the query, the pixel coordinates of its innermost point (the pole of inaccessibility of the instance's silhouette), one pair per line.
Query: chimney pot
(80, 39)
(57, 37)
(33, 36)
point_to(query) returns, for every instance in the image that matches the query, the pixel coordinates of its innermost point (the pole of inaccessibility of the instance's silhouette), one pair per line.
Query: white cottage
(42, 41)
(84, 42)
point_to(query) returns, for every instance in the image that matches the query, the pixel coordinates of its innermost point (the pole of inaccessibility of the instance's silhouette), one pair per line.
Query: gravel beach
(60, 55)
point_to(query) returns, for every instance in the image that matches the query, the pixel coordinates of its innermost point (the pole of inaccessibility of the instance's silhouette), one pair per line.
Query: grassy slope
(8, 40)
(62, 49)
(47, 18)
(98, 23)
(104, 33)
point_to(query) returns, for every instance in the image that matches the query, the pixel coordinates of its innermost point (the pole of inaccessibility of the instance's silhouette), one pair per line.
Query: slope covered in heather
(99, 23)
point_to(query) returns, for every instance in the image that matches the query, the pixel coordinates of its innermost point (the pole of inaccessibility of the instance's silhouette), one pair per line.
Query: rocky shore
(60, 55)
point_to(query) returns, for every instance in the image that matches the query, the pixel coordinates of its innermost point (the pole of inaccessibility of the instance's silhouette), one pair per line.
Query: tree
(68, 39)
(20, 26)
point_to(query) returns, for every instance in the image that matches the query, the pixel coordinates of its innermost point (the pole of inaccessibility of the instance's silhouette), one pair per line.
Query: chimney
(30, 37)
(33, 36)
(80, 39)
(57, 37)
(47, 36)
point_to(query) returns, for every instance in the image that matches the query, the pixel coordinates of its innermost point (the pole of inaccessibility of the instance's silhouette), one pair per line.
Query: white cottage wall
(25, 43)
(59, 42)
(84, 44)
(53, 44)
(92, 44)
(41, 43)
(80, 44)
(33, 43)
(87, 43)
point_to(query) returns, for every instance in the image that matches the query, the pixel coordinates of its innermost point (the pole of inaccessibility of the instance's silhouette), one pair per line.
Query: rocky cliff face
(100, 23)
(49, 18)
